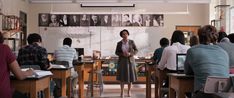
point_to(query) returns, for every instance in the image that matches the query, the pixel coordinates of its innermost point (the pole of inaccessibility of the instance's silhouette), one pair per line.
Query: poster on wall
(108, 20)
(43, 19)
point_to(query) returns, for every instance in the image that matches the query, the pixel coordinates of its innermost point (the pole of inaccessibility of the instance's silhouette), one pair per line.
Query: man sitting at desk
(206, 59)
(66, 53)
(33, 54)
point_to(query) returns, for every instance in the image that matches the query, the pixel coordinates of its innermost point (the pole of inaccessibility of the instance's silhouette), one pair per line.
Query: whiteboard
(96, 38)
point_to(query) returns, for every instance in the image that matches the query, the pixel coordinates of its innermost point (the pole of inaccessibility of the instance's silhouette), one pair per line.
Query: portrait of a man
(95, 20)
(106, 20)
(116, 20)
(43, 19)
(147, 20)
(74, 20)
(84, 20)
(126, 20)
(54, 21)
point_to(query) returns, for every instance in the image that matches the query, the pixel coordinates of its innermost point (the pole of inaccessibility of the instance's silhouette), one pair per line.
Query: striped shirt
(66, 53)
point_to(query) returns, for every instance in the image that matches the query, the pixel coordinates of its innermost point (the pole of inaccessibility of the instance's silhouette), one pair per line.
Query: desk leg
(47, 92)
(156, 84)
(172, 93)
(69, 87)
(64, 87)
(33, 91)
(148, 82)
(81, 83)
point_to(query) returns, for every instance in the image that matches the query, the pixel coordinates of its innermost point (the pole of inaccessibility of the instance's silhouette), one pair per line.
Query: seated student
(33, 54)
(8, 63)
(164, 42)
(228, 47)
(206, 59)
(168, 60)
(66, 53)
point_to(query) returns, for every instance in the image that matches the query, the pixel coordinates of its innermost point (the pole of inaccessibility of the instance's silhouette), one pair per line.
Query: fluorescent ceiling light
(188, 1)
(107, 5)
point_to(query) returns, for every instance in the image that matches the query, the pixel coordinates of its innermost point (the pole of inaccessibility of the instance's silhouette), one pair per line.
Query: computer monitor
(180, 59)
(80, 51)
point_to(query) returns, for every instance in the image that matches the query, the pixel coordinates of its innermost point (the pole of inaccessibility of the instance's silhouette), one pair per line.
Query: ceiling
(119, 1)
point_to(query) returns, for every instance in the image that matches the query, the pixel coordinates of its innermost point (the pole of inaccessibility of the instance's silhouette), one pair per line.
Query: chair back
(35, 67)
(64, 63)
(217, 84)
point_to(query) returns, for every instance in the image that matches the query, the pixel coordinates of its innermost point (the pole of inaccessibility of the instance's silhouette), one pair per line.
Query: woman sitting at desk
(206, 59)
(8, 63)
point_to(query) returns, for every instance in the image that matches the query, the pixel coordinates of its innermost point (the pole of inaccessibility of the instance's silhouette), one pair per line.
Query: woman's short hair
(1, 38)
(121, 32)
(34, 37)
(178, 36)
(221, 35)
(164, 42)
(193, 40)
(208, 34)
(67, 41)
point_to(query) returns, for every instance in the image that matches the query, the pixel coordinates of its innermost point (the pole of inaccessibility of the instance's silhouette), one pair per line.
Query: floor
(113, 91)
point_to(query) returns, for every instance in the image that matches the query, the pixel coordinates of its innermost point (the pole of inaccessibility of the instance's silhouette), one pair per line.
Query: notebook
(180, 59)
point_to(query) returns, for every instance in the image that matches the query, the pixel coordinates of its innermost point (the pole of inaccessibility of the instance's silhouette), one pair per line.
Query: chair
(217, 84)
(64, 63)
(99, 82)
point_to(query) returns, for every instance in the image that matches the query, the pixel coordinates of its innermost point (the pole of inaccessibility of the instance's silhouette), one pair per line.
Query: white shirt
(168, 59)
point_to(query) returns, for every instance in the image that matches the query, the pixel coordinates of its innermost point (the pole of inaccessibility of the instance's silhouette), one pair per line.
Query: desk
(33, 85)
(63, 74)
(179, 83)
(79, 67)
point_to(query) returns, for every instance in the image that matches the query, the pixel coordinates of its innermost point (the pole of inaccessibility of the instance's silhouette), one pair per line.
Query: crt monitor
(80, 51)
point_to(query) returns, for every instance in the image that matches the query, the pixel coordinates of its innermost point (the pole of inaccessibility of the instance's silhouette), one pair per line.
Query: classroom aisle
(113, 91)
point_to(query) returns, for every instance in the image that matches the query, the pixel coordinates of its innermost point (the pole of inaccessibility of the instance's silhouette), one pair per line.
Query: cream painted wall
(12, 7)
(198, 15)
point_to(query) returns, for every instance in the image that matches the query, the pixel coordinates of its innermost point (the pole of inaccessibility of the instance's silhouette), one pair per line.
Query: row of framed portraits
(10, 22)
(115, 20)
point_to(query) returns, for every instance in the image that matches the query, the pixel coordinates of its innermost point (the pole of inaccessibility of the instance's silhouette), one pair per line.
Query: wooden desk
(179, 83)
(63, 74)
(79, 67)
(33, 86)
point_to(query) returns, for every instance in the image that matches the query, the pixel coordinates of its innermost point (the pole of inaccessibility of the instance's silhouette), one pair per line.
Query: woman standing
(126, 72)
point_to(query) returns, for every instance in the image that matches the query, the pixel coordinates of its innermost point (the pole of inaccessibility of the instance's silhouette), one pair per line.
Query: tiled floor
(113, 91)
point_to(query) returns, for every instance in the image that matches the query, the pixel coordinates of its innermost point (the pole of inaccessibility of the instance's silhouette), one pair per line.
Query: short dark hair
(193, 40)
(231, 37)
(67, 41)
(1, 38)
(121, 32)
(178, 36)
(207, 34)
(164, 42)
(221, 35)
(34, 37)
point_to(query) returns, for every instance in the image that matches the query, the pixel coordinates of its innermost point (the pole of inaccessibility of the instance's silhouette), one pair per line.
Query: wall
(198, 15)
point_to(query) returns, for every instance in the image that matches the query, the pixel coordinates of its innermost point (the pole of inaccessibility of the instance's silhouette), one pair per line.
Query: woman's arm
(15, 69)
(135, 50)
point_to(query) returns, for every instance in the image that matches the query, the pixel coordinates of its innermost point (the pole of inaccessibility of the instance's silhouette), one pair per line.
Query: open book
(36, 73)
(56, 66)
